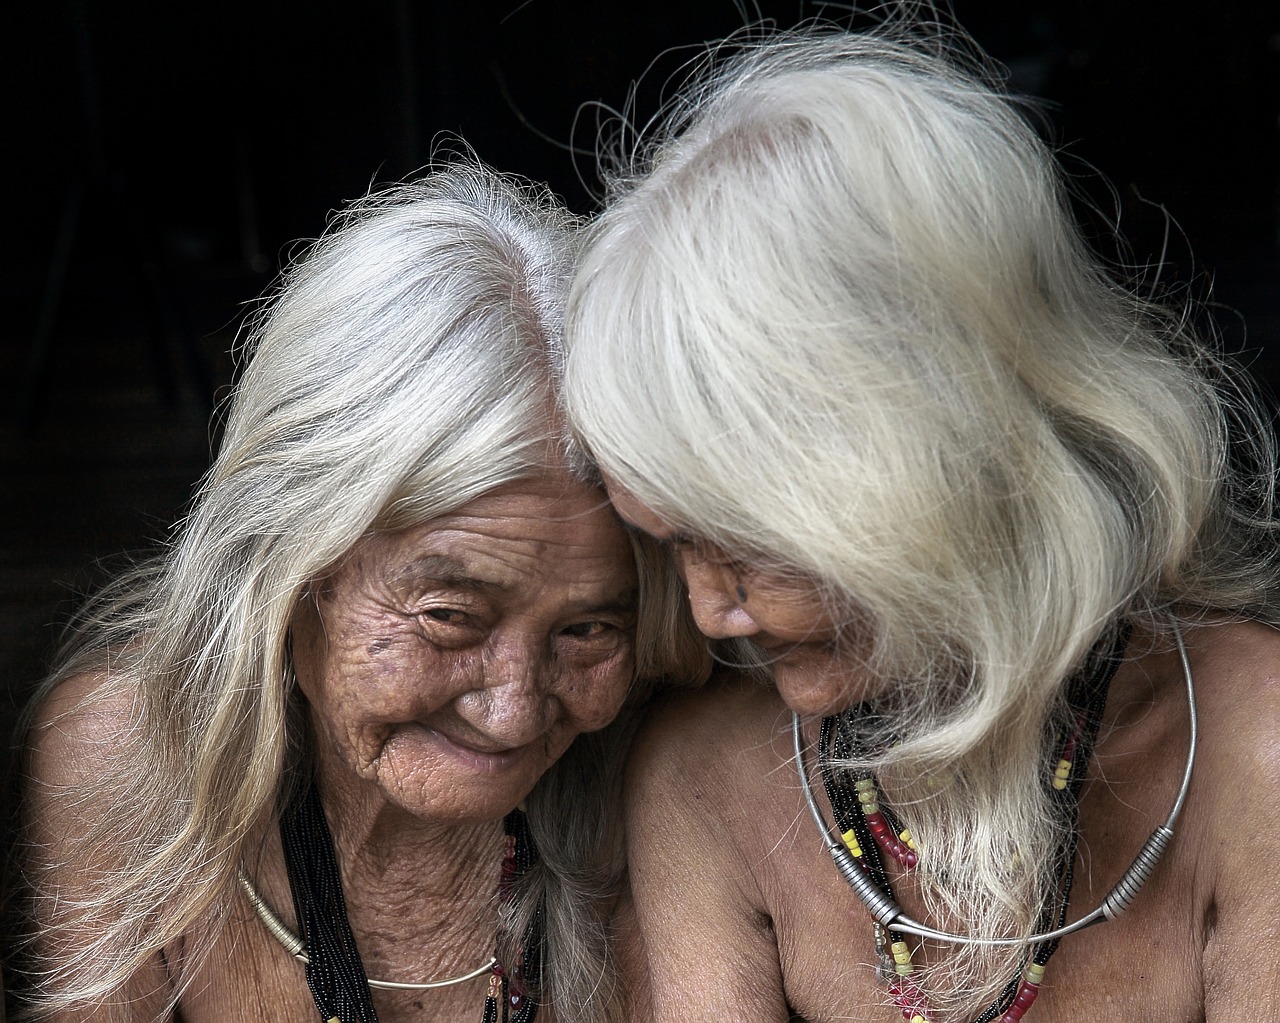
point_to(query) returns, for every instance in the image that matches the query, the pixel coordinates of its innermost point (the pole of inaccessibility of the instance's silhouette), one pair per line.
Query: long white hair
(837, 319)
(402, 368)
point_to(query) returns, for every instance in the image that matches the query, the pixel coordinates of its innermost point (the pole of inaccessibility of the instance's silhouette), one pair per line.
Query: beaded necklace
(335, 972)
(871, 830)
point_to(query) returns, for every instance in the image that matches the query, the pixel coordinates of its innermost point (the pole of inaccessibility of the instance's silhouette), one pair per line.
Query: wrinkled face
(818, 665)
(451, 664)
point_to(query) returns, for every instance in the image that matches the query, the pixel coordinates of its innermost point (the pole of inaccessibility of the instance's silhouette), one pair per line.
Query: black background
(179, 150)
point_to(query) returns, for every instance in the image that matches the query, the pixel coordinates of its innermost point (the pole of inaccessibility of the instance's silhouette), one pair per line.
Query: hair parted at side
(402, 368)
(837, 319)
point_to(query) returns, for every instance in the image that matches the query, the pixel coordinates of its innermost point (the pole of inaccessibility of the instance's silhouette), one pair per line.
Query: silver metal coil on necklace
(886, 912)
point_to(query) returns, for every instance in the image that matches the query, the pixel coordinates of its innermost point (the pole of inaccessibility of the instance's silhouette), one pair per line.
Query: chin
(464, 798)
(820, 690)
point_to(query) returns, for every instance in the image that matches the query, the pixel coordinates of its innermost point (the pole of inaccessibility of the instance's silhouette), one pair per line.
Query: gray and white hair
(838, 320)
(402, 368)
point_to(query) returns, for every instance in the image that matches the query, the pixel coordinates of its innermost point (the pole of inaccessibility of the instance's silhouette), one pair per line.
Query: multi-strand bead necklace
(872, 831)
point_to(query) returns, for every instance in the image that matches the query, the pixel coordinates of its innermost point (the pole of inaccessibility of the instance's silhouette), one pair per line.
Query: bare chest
(1147, 964)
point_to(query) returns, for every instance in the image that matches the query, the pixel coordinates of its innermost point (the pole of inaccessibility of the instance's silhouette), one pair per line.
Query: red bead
(1026, 995)
(909, 998)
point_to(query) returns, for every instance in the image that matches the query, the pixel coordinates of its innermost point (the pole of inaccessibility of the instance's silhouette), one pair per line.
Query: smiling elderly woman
(968, 503)
(400, 612)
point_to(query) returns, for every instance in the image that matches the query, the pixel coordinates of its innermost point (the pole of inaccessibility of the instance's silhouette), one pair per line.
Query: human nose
(712, 600)
(513, 700)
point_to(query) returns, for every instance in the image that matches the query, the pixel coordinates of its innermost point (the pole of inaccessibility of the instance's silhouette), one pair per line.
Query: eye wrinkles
(455, 619)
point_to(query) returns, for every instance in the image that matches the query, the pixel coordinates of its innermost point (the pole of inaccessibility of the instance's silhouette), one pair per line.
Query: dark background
(160, 158)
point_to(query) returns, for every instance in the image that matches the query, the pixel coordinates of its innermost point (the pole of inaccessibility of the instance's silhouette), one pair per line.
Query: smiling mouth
(485, 759)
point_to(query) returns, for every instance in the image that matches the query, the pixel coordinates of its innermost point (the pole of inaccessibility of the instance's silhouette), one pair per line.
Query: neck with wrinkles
(421, 898)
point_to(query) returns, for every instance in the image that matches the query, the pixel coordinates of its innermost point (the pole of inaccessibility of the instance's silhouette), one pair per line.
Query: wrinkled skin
(449, 666)
(446, 667)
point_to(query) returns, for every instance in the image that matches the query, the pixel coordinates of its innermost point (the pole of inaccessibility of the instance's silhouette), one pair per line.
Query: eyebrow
(444, 569)
(451, 572)
(627, 602)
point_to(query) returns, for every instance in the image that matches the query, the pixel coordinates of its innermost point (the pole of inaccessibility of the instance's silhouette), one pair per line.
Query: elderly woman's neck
(388, 854)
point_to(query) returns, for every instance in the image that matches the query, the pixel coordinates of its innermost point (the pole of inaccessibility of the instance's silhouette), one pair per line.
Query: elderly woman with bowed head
(342, 752)
(971, 526)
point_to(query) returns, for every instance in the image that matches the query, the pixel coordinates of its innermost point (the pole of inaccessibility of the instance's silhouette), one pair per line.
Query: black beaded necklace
(334, 969)
(870, 827)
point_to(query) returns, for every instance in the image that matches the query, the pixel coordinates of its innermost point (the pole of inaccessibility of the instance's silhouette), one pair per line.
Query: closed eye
(700, 551)
(587, 630)
(446, 615)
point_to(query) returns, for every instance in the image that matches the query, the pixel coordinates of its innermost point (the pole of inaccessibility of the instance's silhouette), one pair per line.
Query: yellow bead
(903, 969)
(917, 1018)
(901, 954)
(1035, 973)
(906, 838)
(863, 784)
(851, 840)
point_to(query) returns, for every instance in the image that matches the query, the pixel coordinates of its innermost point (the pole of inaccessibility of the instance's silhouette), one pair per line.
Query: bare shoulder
(1237, 683)
(77, 757)
(699, 744)
(76, 748)
(77, 730)
(692, 799)
(1232, 805)
(1238, 659)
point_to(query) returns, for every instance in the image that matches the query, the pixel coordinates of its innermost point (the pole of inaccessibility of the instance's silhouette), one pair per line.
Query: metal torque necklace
(866, 827)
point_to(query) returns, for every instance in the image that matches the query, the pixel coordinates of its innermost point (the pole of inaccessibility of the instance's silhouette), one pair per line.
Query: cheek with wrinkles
(600, 693)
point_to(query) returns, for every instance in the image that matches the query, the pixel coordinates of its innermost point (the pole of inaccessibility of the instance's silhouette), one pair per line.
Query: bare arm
(71, 751)
(1240, 766)
(709, 949)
